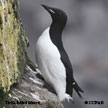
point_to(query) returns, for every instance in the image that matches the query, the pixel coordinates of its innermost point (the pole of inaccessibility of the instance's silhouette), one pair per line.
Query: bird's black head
(58, 16)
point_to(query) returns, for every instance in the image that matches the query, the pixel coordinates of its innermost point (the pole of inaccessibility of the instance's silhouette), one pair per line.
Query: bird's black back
(56, 36)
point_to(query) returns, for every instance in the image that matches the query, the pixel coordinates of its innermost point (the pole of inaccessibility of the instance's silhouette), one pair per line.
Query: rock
(12, 44)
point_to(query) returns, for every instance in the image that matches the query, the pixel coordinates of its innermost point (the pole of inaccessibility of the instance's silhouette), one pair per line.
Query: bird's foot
(68, 98)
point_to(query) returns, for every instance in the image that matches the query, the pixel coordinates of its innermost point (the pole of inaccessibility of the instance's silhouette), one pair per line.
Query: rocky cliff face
(12, 44)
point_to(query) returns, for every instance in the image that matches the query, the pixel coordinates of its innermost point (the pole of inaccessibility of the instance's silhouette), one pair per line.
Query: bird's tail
(78, 89)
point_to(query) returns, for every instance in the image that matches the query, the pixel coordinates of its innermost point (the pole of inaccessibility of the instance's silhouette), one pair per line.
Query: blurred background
(85, 39)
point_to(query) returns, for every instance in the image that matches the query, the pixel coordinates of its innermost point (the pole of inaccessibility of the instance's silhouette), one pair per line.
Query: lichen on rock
(12, 44)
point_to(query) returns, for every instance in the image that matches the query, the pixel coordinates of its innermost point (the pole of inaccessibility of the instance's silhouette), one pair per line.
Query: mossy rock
(12, 44)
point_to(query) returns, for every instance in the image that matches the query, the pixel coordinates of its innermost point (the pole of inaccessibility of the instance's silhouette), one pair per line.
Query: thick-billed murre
(52, 58)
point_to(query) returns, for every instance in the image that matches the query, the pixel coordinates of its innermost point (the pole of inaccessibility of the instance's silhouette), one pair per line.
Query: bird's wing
(71, 83)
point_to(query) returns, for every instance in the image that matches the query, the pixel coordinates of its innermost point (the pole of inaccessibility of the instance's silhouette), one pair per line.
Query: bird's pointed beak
(45, 7)
(49, 9)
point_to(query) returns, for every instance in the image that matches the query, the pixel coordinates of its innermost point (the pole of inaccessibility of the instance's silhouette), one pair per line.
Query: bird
(52, 59)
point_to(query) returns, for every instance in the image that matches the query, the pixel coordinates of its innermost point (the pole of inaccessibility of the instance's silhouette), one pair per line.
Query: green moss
(12, 44)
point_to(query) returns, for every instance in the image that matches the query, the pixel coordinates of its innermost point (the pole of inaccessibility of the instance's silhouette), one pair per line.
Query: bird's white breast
(50, 64)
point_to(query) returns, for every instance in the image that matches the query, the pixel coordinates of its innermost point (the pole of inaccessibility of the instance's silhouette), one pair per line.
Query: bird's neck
(56, 33)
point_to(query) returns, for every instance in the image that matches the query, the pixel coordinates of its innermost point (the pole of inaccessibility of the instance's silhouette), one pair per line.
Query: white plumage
(50, 65)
